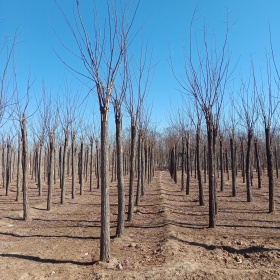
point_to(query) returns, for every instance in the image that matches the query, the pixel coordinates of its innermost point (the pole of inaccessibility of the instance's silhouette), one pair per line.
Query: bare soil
(169, 237)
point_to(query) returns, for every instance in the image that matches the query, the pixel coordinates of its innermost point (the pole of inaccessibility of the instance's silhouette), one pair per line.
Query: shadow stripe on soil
(41, 260)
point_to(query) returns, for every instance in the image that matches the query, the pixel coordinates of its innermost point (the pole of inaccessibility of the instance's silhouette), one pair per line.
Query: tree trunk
(97, 165)
(81, 178)
(91, 164)
(143, 167)
(8, 164)
(63, 168)
(221, 164)
(188, 164)
(139, 170)
(120, 177)
(243, 160)
(211, 179)
(73, 171)
(269, 169)
(248, 165)
(24, 168)
(233, 162)
(276, 161)
(50, 171)
(18, 167)
(259, 171)
(40, 168)
(105, 204)
(183, 164)
(200, 186)
(3, 167)
(131, 175)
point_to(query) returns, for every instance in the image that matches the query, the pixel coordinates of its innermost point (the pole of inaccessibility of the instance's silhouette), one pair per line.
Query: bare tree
(248, 113)
(101, 56)
(139, 79)
(269, 101)
(207, 76)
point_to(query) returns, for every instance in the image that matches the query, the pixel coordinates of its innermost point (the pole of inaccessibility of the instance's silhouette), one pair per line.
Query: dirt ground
(169, 237)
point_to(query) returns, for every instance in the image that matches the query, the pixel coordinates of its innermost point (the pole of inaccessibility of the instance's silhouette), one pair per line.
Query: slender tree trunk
(18, 167)
(221, 164)
(259, 171)
(233, 162)
(200, 186)
(183, 165)
(8, 159)
(276, 161)
(205, 164)
(269, 169)
(63, 169)
(24, 168)
(120, 176)
(3, 167)
(174, 166)
(50, 171)
(243, 160)
(40, 168)
(97, 165)
(211, 179)
(105, 203)
(91, 164)
(188, 164)
(73, 150)
(248, 165)
(131, 175)
(139, 170)
(143, 167)
(82, 168)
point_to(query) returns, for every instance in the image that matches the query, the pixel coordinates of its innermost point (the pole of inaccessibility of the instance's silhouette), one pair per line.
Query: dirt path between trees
(169, 237)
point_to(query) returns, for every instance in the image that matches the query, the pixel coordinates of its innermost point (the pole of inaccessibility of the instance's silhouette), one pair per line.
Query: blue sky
(165, 30)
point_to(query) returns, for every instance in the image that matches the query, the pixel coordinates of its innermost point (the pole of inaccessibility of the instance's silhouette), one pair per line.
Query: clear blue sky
(165, 29)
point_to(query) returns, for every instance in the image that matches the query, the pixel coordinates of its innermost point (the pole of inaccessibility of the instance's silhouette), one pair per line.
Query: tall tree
(207, 75)
(101, 55)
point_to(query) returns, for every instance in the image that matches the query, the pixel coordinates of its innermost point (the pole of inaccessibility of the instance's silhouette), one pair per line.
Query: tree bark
(259, 171)
(18, 167)
(221, 164)
(248, 165)
(139, 169)
(73, 171)
(24, 168)
(120, 177)
(188, 164)
(50, 171)
(269, 169)
(183, 165)
(81, 177)
(91, 164)
(132, 170)
(233, 162)
(211, 179)
(200, 186)
(63, 168)
(105, 204)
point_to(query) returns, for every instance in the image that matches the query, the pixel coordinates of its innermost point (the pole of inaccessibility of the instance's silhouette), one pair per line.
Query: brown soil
(169, 237)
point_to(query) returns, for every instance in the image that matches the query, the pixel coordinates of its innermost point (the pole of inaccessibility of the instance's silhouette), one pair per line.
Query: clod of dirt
(238, 259)
(133, 245)
(119, 266)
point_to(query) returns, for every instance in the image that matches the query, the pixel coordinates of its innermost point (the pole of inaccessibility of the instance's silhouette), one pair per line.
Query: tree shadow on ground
(42, 260)
(49, 236)
(229, 249)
